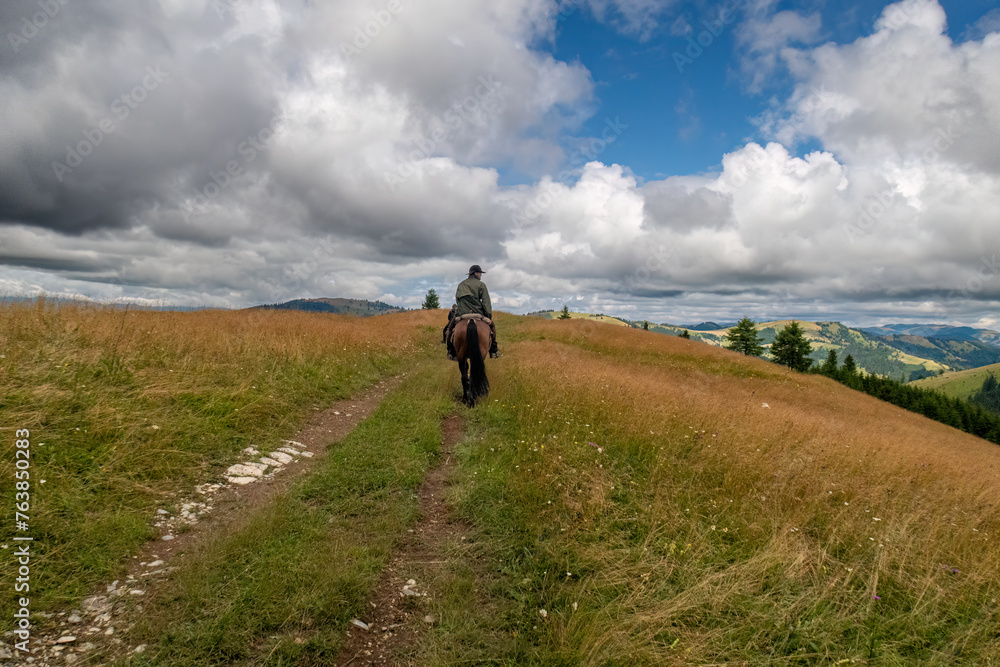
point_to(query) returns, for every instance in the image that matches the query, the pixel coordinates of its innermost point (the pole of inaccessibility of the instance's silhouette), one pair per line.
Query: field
(590, 317)
(624, 498)
(960, 384)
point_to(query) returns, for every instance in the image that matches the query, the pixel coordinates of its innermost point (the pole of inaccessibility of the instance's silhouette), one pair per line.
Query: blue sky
(817, 160)
(682, 119)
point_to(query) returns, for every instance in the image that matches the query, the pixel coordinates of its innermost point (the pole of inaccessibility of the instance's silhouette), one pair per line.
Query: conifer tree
(744, 338)
(565, 313)
(431, 300)
(685, 334)
(829, 367)
(790, 348)
(849, 366)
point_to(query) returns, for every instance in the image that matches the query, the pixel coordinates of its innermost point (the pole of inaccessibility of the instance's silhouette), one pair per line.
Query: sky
(650, 159)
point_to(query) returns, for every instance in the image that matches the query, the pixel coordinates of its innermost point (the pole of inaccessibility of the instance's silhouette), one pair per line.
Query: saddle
(466, 318)
(474, 316)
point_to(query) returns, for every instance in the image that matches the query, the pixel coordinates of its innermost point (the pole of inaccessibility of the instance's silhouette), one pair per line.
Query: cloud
(765, 44)
(357, 149)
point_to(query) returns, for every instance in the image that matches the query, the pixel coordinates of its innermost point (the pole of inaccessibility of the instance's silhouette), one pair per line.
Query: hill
(960, 384)
(360, 307)
(873, 354)
(907, 357)
(987, 336)
(598, 317)
(619, 494)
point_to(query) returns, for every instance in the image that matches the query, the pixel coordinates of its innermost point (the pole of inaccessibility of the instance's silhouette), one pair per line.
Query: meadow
(632, 498)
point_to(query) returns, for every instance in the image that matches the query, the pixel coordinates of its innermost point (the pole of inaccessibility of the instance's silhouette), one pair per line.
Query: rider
(473, 297)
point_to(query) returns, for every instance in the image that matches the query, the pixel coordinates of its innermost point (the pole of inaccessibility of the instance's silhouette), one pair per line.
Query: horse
(472, 345)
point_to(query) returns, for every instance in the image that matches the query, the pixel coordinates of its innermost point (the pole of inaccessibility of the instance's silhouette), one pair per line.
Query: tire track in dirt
(397, 613)
(100, 625)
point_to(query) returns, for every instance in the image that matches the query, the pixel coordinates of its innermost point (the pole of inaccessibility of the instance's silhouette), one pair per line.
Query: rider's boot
(451, 351)
(494, 352)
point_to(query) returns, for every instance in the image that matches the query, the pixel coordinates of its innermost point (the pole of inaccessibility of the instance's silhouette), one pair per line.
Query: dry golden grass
(126, 407)
(738, 511)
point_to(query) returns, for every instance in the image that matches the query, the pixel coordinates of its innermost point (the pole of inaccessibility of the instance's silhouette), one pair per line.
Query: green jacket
(473, 297)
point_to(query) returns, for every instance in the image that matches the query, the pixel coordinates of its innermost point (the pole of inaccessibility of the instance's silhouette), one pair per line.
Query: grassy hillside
(606, 319)
(631, 499)
(871, 353)
(124, 407)
(360, 307)
(960, 384)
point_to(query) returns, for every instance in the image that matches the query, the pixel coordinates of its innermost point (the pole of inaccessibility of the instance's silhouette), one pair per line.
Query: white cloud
(895, 212)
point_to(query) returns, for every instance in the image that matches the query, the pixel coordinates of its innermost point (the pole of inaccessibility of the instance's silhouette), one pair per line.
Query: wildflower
(876, 597)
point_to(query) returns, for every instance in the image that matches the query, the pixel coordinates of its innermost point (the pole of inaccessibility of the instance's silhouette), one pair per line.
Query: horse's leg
(463, 369)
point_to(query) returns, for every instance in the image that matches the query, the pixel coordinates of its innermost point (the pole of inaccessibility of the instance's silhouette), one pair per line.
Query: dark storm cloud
(113, 109)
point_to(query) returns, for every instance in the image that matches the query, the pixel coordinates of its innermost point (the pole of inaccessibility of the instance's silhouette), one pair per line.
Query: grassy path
(626, 498)
(280, 587)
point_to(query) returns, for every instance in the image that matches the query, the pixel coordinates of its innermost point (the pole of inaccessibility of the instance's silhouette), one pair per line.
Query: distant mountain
(959, 354)
(709, 326)
(360, 307)
(987, 336)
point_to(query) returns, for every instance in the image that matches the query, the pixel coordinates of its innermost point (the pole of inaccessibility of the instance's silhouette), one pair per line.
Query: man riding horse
(472, 298)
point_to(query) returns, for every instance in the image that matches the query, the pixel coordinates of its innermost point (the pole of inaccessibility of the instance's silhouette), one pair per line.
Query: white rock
(97, 604)
(162, 512)
(308, 455)
(66, 639)
(137, 592)
(167, 538)
(246, 470)
(251, 451)
(429, 618)
(281, 456)
(74, 618)
(88, 646)
(271, 462)
(139, 649)
(156, 563)
(242, 481)
(359, 623)
(109, 631)
(292, 442)
(289, 450)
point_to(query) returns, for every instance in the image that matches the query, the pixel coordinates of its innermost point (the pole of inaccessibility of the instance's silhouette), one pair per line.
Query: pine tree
(849, 366)
(565, 313)
(988, 395)
(829, 367)
(431, 300)
(645, 325)
(744, 338)
(790, 348)
(685, 334)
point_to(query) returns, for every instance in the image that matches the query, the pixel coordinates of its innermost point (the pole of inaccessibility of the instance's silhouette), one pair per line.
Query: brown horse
(472, 345)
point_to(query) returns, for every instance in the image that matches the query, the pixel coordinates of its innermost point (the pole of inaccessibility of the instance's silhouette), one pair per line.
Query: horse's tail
(479, 384)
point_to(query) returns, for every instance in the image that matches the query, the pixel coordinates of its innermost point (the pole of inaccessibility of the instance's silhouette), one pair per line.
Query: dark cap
(475, 268)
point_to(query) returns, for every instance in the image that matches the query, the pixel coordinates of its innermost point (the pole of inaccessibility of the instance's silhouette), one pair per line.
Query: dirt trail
(101, 624)
(397, 612)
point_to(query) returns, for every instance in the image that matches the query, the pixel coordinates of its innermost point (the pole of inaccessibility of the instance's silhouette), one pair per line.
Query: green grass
(663, 502)
(959, 384)
(659, 549)
(306, 564)
(128, 408)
